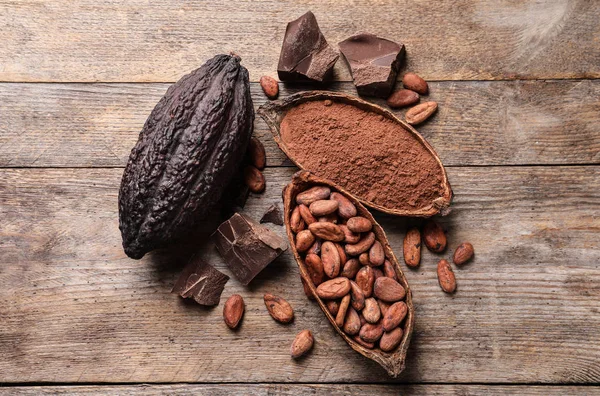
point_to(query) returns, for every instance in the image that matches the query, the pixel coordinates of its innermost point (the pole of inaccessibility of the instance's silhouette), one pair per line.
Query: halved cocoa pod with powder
(363, 148)
(332, 292)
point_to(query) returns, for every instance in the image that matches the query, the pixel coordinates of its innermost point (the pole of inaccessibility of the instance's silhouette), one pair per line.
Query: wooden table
(518, 128)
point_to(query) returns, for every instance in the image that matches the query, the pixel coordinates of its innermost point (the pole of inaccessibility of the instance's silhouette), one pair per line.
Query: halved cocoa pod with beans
(325, 132)
(336, 286)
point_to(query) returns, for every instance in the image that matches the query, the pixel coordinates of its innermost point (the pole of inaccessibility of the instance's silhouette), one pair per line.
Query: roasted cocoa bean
(342, 253)
(415, 83)
(327, 231)
(412, 247)
(304, 240)
(346, 209)
(256, 150)
(388, 290)
(313, 194)
(383, 307)
(296, 222)
(463, 253)
(352, 322)
(361, 246)
(306, 215)
(233, 310)
(323, 207)
(278, 308)
(269, 86)
(333, 307)
(341, 315)
(365, 280)
(363, 259)
(371, 311)
(357, 297)
(446, 276)
(334, 288)
(331, 259)
(330, 218)
(254, 179)
(351, 268)
(302, 344)
(434, 237)
(377, 273)
(390, 340)
(402, 98)
(394, 315)
(371, 332)
(359, 224)
(314, 267)
(360, 341)
(389, 270)
(376, 254)
(420, 112)
(349, 236)
(316, 247)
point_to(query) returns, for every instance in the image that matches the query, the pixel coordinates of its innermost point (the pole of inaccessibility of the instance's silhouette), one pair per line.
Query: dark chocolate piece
(200, 281)
(273, 215)
(246, 246)
(374, 63)
(305, 54)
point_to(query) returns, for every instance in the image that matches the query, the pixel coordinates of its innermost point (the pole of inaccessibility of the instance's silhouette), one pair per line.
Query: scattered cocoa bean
(327, 231)
(304, 240)
(350, 269)
(389, 270)
(306, 215)
(341, 315)
(330, 259)
(394, 315)
(303, 343)
(346, 209)
(371, 332)
(412, 247)
(388, 290)
(463, 253)
(254, 179)
(420, 112)
(446, 277)
(371, 312)
(323, 207)
(349, 236)
(334, 288)
(296, 222)
(314, 267)
(365, 280)
(313, 194)
(376, 254)
(269, 86)
(361, 246)
(233, 310)
(258, 157)
(357, 297)
(359, 224)
(434, 237)
(415, 83)
(278, 308)
(402, 98)
(390, 340)
(352, 322)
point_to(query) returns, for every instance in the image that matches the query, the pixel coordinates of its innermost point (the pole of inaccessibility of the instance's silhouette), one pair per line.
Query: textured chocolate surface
(272, 215)
(374, 63)
(246, 246)
(200, 281)
(305, 54)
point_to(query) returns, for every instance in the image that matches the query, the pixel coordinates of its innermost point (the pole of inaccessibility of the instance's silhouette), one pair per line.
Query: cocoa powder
(368, 154)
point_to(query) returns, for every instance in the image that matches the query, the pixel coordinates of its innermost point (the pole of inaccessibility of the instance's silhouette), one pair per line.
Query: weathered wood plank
(479, 123)
(141, 41)
(73, 308)
(294, 390)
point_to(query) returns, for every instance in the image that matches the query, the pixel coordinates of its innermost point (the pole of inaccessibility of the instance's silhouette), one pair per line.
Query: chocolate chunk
(200, 281)
(273, 215)
(305, 54)
(374, 63)
(246, 246)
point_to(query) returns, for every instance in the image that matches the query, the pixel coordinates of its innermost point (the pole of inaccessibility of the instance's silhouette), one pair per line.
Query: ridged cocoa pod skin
(197, 134)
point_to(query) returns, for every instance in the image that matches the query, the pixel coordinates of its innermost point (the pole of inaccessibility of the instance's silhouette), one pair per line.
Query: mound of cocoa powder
(368, 154)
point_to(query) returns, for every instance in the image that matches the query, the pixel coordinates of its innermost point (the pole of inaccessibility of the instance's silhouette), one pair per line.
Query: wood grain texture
(74, 308)
(478, 123)
(294, 390)
(142, 41)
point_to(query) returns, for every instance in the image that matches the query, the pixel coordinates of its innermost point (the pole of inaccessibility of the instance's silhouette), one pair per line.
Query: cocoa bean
(390, 340)
(361, 246)
(258, 157)
(412, 247)
(269, 86)
(420, 112)
(331, 259)
(278, 308)
(402, 98)
(360, 341)
(314, 267)
(434, 237)
(349, 236)
(233, 310)
(388, 290)
(357, 296)
(296, 222)
(362, 319)
(371, 311)
(304, 240)
(415, 83)
(341, 315)
(371, 332)
(352, 322)
(330, 218)
(254, 179)
(342, 253)
(333, 307)
(313, 194)
(363, 259)
(376, 254)
(346, 209)
(463, 253)
(350, 269)
(306, 215)
(383, 307)
(389, 270)
(334, 288)
(316, 247)
(446, 277)
(307, 290)
(359, 224)
(327, 231)
(394, 315)
(365, 280)
(377, 273)
(323, 207)
(303, 343)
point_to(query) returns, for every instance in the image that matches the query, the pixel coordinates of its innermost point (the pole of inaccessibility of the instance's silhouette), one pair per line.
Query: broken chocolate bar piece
(374, 63)
(246, 246)
(272, 215)
(305, 54)
(200, 281)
